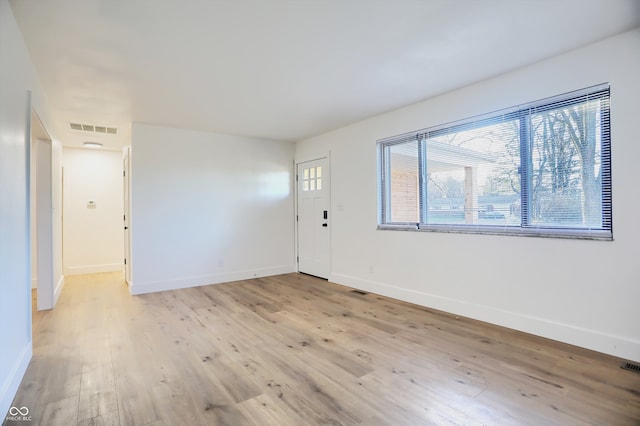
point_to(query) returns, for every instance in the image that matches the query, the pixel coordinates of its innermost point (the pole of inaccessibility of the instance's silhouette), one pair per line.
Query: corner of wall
(9, 388)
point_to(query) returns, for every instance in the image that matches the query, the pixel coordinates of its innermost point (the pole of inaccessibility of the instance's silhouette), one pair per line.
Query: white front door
(314, 222)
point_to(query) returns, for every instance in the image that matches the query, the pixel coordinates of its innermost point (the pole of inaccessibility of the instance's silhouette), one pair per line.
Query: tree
(583, 127)
(566, 179)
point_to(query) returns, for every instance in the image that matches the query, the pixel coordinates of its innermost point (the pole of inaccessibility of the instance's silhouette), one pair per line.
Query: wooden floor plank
(63, 412)
(292, 350)
(106, 419)
(97, 392)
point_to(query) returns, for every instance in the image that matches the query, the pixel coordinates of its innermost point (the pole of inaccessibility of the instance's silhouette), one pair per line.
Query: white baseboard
(611, 344)
(58, 290)
(9, 388)
(151, 287)
(93, 269)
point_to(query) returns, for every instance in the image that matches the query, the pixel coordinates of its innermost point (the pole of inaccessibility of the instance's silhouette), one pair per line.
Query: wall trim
(306, 158)
(201, 280)
(58, 290)
(619, 346)
(10, 386)
(93, 269)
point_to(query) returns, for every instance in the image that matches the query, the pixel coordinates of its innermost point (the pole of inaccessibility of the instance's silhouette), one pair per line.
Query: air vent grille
(93, 129)
(631, 366)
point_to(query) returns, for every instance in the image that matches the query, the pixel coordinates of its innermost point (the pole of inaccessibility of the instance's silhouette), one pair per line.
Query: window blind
(542, 168)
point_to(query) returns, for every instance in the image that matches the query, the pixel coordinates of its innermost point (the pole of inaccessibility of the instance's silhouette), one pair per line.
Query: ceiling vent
(93, 129)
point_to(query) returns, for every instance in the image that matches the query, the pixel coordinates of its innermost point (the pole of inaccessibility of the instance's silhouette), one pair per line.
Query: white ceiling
(285, 69)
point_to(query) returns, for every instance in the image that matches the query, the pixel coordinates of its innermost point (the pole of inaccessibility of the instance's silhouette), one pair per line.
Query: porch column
(470, 196)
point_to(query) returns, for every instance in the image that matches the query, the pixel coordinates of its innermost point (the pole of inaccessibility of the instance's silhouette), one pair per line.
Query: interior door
(314, 221)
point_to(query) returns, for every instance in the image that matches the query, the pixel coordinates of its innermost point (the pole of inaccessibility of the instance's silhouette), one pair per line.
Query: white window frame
(522, 112)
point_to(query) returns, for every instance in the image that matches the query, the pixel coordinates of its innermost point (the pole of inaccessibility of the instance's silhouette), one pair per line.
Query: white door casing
(41, 208)
(313, 216)
(127, 236)
(44, 224)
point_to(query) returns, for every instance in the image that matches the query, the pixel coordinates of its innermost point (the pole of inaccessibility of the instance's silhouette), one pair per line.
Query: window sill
(579, 234)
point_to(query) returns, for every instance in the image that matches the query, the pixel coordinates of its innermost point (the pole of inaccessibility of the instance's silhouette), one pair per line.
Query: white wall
(93, 235)
(208, 208)
(17, 77)
(581, 292)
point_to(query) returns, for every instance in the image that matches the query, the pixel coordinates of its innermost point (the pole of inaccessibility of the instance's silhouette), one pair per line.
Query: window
(312, 179)
(539, 169)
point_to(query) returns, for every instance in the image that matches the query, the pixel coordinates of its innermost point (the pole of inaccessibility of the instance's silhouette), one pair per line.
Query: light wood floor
(296, 350)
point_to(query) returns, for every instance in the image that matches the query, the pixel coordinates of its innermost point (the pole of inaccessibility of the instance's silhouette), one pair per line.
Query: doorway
(313, 217)
(41, 198)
